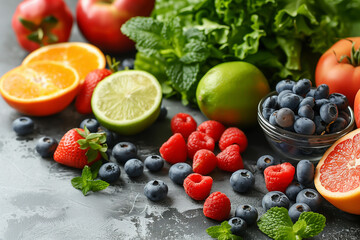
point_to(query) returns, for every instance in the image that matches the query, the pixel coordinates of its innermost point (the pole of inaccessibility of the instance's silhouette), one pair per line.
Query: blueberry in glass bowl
(297, 132)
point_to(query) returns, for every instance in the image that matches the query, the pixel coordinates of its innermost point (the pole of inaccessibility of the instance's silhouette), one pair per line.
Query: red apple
(100, 21)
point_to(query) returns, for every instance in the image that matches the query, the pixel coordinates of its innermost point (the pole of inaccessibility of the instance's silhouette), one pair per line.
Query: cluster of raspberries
(197, 143)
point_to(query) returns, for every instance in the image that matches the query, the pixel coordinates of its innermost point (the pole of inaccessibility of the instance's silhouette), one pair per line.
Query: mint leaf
(315, 223)
(299, 227)
(86, 182)
(222, 232)
(276, 223)
(98, 185)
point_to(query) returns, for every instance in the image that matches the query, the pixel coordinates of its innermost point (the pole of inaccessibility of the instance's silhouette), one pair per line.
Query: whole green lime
(230, 92)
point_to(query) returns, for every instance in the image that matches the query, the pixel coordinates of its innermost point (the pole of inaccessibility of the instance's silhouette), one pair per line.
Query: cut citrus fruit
(40, 88)
(83, 57)
(127, 102)
(337, 176)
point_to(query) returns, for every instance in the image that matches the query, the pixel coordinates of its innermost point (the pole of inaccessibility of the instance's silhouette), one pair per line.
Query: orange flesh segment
(38, 80)
(341, 169)
(73, 56)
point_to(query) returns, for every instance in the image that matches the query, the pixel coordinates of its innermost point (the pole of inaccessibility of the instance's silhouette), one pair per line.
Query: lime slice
(127, 102)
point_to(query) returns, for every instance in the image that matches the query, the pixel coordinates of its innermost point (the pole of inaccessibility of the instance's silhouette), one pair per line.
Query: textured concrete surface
(37, 200)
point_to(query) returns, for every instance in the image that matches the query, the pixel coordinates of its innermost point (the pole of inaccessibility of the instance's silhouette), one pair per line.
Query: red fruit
(217, 206)
(174, 150)
(198, 140)
(83, 99)
(183, 123)
(230, 159)
(204, 162)
(198, 187)
(231, 136)
(278, 177)
(212, 128)
(74, 150)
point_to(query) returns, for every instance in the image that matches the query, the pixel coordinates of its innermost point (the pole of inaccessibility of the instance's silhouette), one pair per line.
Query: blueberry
(345, 115)
(338, 125)
(322, 91)
(302, 87)
(238, 225)
(23, 126)
(275, 199)
(248, 213)
(134, 168)
(266, 161)
(285, 117)
(307, 101)
(310, 197)
(340, 100)
(296, 209)
(282, 94)
(319, 103)
(154, 163)
(306, 111)
(304, 126)
(272, 117)
(311, 93)
(320, 125)
(179, 171)
(270, 102)
(128, 63)
(293, 189)
(328, 112)
(91, 124)
(266, 112)
(162, 114)
(110, 140)
(305, 171)
(291, 101)
(284, 85)
(242, 180)
(123, 151)
(109, 172)
(156, 190)
(46, 146)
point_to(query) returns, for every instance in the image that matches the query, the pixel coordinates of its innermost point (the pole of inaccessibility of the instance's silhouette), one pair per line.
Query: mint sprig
(222, 232)
(277, 224)
(87, 181)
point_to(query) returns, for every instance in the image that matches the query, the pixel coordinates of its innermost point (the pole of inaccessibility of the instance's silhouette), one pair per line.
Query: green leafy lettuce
(284, 38)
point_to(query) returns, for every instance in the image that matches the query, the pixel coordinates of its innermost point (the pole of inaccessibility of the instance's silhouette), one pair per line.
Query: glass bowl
(298, 146)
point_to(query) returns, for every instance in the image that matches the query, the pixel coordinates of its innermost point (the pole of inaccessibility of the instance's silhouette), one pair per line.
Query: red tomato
(341, 77)
(100, 21)
(41, 22)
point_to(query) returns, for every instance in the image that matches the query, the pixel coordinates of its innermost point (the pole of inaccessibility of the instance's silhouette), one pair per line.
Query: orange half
(337, 176)
(40, 88)
(83, 57)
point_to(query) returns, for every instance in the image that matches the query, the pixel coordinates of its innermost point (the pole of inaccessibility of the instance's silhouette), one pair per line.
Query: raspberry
(212, 128)
(230, 159)
(198, 187)
(198, 140)
(174, 150)
(183, 123)
(279, 177)
(231, 136)
(204, 162)
(217, 206)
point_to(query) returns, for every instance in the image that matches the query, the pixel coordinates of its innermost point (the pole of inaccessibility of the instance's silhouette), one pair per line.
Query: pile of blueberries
(305, 110)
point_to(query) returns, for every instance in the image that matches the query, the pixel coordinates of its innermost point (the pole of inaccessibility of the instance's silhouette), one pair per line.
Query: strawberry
(83, 99)
(78, 148)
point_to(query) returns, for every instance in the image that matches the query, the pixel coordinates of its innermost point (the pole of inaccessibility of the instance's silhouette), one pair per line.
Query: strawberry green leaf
(94, 146)
(92, 136)
(104, 156)
(98, 185)
(91, 155)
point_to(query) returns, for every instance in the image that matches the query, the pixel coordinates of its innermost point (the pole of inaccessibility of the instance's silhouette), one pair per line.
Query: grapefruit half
(337, 176)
